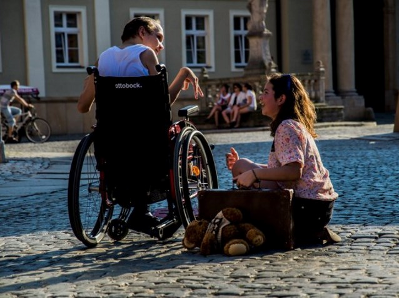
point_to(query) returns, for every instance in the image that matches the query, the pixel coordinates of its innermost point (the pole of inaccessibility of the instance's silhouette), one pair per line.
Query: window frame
(152, 11)
(209, 37)
(233, 14)
(82, 37)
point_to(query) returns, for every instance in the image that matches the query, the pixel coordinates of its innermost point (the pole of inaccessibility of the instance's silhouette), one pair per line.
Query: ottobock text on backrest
(133, 111)
(122, 101)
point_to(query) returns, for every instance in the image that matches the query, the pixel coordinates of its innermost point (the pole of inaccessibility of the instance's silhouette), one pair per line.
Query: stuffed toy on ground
(226, 233)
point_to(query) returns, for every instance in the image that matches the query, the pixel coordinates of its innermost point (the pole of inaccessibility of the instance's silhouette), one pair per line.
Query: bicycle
(101, 178)
(36, 129)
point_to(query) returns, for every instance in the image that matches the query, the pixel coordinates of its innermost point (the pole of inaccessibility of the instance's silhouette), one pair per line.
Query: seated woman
(294, 160)
(248, 105)
(237, 97)
(221, 104)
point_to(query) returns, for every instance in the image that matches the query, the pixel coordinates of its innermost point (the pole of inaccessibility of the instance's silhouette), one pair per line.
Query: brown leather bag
(269, 210)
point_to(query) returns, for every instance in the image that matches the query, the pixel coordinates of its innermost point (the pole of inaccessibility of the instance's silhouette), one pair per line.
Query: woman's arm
(288, 172)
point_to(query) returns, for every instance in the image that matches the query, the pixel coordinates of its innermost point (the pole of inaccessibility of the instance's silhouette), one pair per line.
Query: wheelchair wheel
(38, 130)
(194, 170)
(89, 215)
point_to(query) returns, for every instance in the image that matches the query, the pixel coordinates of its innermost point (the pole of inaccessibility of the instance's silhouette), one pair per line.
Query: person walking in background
(237, 97)
(294, 160)
(248, 105)
(142, 39)
(223, 100)
(12, 113)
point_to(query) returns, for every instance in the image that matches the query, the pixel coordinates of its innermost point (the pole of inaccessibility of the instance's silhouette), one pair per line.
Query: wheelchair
(106, 178)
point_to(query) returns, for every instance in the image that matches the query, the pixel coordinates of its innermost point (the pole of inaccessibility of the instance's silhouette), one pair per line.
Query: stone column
(396, 125)
(322, 40)
(390, 50)
(345, 48)
(259, 61)
(354, 104)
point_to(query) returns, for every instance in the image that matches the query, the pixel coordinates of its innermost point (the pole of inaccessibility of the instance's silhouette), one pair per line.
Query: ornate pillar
(259, 61)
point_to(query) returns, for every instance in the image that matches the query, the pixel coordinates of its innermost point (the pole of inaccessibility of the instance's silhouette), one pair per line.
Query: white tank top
(117, 62)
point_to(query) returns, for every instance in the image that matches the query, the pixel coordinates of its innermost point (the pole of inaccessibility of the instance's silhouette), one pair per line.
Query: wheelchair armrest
(188, 111)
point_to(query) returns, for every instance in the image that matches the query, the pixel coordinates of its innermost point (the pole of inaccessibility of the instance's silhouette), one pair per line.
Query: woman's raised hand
(231, 158)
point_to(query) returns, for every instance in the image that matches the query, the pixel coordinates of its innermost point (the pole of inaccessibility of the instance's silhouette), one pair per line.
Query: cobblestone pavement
(40, 257)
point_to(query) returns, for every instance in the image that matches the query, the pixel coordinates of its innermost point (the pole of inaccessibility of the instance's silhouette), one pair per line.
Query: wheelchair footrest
(166, 228)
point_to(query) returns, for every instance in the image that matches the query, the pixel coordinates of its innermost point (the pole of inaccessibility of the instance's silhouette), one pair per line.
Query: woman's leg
(240, 112)
(234, 113)
(212, 112)
(238, 120)
(311, 218)
(226, 114)
(217, 112)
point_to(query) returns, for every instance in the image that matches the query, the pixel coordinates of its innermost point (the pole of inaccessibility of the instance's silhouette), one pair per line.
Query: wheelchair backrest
(120, 101)
(133, 110)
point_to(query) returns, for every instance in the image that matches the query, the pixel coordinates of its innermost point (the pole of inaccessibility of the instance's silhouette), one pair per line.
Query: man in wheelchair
(142, 39)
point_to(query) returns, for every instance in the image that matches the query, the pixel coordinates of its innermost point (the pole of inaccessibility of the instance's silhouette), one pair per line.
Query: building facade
(49, 43)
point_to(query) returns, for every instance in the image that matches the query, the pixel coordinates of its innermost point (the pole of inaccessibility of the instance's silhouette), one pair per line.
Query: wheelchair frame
(190, 167)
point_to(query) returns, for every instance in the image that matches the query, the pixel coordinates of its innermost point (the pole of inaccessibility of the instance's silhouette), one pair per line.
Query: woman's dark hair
(238, 85)
(132, 28)
(248, 86)
(297, 105)
(227, 87)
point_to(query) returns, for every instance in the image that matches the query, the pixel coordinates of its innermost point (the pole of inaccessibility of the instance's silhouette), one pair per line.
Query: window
(240, 46)
(195, 41)
(69, 49)
(198, 39)
(156, 14)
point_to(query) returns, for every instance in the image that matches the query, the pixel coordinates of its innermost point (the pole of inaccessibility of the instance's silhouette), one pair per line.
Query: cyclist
(12, 113)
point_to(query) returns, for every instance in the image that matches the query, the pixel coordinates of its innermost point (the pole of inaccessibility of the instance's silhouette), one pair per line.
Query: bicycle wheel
(38, 130)
(89, 215)
(194, 170)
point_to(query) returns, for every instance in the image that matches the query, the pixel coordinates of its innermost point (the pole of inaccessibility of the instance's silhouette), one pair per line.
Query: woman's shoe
(328, 237)
(232, 124)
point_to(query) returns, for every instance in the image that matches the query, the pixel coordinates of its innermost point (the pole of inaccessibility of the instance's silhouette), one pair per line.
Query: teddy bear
(226, 233)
